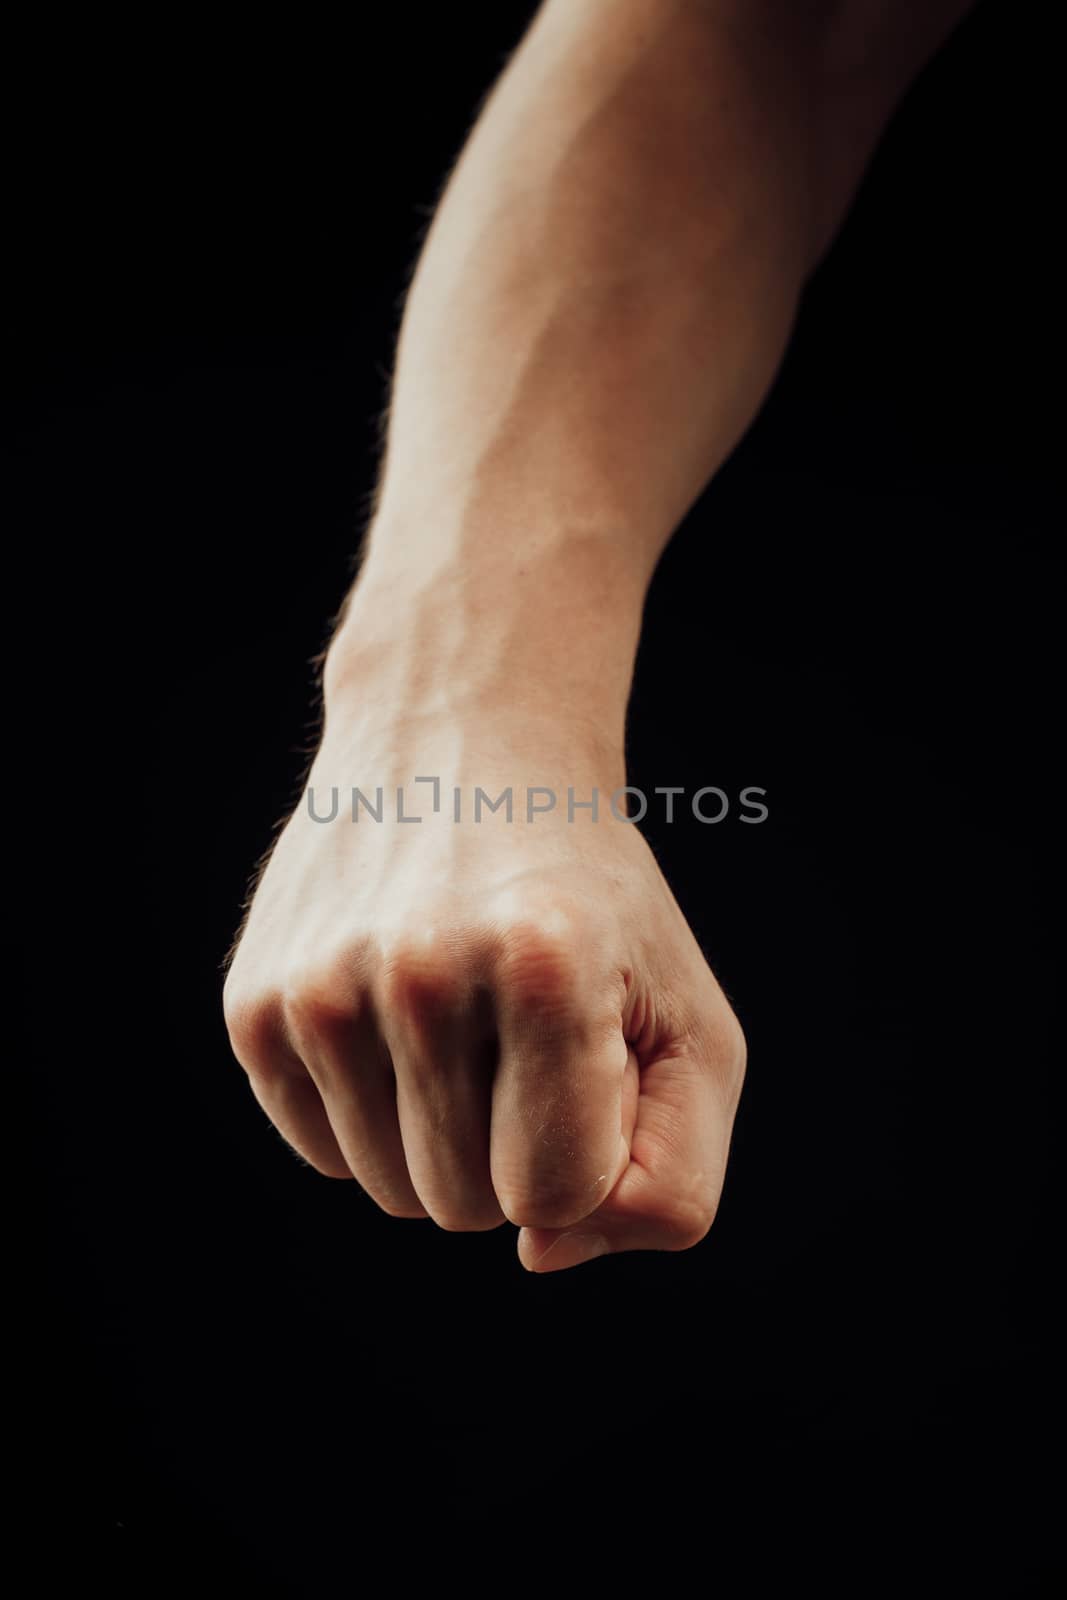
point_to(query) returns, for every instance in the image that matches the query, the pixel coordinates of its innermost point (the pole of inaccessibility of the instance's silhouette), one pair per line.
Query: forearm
(599, 309)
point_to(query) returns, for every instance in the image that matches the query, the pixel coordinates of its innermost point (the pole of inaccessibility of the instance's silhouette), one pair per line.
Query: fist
(492, 1021)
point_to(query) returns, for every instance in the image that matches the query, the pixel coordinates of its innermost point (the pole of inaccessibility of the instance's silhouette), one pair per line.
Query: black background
(245, 1377)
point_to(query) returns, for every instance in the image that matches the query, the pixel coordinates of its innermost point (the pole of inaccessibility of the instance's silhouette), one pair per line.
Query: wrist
(545, 628)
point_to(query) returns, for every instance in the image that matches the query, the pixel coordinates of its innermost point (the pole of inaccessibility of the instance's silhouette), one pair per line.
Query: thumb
(668, 1193)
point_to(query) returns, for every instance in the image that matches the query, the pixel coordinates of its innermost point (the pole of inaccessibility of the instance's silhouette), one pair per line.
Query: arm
(599, 309)
(503, 1019)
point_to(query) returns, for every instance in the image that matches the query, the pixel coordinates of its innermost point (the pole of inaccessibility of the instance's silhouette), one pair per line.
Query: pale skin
(507, 1022)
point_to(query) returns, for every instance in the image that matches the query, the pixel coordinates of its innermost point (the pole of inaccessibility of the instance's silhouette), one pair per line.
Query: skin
(513, 1022)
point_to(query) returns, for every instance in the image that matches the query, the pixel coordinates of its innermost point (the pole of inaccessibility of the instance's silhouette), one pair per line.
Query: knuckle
(311, 1010)
(716, 1040)
(322, 1000)
(420, 978)
(727, 1053)
(738, 1059)
(314, 1008)
(684, 1220)
(538, 966)
(732, 1046)
(253, 1025)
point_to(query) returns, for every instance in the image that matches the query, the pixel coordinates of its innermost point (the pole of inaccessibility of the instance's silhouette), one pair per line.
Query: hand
(487, 1020)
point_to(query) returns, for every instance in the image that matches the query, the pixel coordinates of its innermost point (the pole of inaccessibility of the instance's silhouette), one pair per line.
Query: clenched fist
(485, 1020)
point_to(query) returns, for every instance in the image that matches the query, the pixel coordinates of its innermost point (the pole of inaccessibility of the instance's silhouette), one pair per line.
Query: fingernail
(571, 1249)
